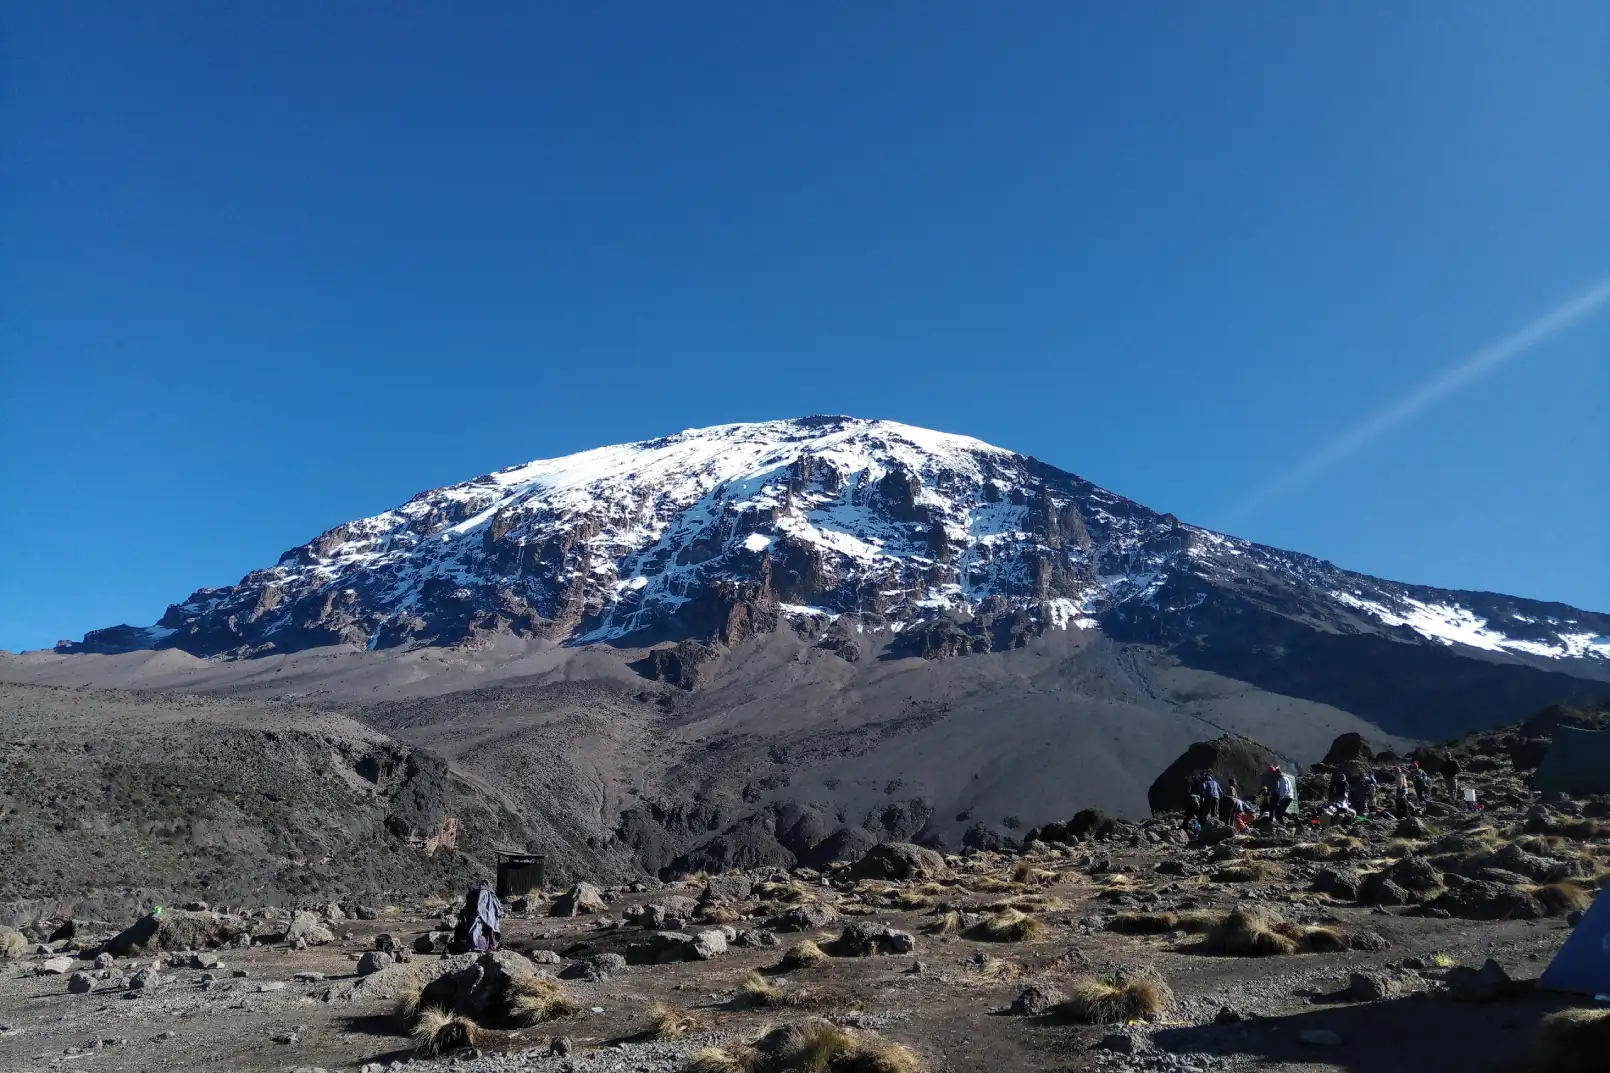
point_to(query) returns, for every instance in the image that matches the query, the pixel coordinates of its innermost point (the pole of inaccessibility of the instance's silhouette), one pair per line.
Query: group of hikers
(1354, 791)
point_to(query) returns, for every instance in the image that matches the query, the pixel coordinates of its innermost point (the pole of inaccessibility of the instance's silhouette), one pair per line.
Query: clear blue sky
(265, 267)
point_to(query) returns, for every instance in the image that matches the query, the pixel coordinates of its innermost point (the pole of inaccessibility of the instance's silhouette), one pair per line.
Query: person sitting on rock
(1338, 787)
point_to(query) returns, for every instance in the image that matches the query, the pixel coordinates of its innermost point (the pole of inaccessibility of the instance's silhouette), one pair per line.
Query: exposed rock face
(839, 527)
(1348, 749)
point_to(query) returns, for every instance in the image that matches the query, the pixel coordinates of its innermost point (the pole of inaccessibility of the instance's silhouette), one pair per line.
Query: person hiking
(1450, 775)
(1286, 795)
(479, 920)
(1230, 802)
(1421, 782)
(1280, 790)
(1401, 794)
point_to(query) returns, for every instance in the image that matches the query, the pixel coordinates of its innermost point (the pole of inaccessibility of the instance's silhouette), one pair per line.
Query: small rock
(1373, 986)
(144, 980)
(559, 1045)
(1319, 1037)
(1227, 1016)
(80, 983)
(104, 961)
(373, 961)
(1036, 1001)
(545, 957)
(308, 977)
(55, 967)
(283, 1037)
(1486, 984)
(270, 985)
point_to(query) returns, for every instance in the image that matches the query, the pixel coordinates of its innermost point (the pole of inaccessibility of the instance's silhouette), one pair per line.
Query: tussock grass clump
(438, 1032)
(1443, 961)
(1561, 898)
(813, 1046)
(731, 1058)
(994, 968)
(532, 1000)
(1251, 871)
(1144, 923)
(1344, 841)
(408, 1002)
(757, 991)
(719, 914)
(1198, 921)
(947, 923)
(1255, 931)
(1585, 830)
(12, 944)
(1574, 1041)
(1116, 997)
(803, 955)
(1010, 926)
(1315, 851)
(1250, 932)
(668, 1022)
(990, 885)
(1028, 873)
(1401, 847)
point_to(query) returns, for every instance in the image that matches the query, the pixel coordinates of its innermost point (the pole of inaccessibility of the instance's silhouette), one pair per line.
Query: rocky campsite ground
(1098, 945)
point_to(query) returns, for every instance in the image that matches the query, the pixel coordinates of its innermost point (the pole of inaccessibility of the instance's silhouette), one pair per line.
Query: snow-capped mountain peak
(831, 525)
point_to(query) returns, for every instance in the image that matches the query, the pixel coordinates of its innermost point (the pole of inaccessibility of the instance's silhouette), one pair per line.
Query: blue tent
(1583, 963)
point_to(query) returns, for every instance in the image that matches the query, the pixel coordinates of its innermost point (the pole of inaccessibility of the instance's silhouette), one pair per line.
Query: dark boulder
(898, 860)
(1227, 757)
(1347, 750)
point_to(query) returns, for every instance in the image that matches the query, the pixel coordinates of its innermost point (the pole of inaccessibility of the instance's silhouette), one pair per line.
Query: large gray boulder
(898, 861)
(582, 898)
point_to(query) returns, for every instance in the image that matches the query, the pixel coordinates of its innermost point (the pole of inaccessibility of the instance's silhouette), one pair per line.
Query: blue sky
(265, 267)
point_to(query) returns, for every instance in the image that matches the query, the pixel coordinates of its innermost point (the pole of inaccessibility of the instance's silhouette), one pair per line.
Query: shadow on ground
(1420, 1032)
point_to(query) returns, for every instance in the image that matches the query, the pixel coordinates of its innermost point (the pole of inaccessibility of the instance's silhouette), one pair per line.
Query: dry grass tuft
(948, 923)
(1316, 940)
(994, 968)
(1443, 961)
(1198, 921)
(1252, 931)
(803, 955)
(1117, 998)
(1401, 847)
(990, 885)
(1561, 898)
(1244, 872)
(910, 899)
(1010, 926)
(1574, 1041)
(757, 991)
(1023, 871)
(1144, 923)
(438, 1032)
(533, 999)
(668, 1022)
(1315, 851)
(1585, 830)
(408, 1002)
(732, 1058)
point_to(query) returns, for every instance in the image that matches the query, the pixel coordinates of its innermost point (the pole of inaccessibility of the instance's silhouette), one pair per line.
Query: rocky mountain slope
(778, 642)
